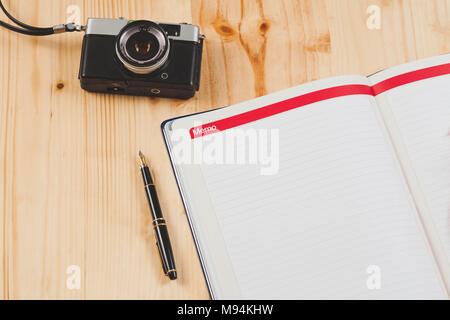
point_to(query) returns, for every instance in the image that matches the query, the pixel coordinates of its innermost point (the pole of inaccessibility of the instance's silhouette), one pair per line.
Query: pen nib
(142, 160)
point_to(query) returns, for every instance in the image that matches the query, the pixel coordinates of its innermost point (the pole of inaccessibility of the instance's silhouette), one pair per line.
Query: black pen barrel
(163, 243)
(146, 176)
(160, 226)
(153, 201)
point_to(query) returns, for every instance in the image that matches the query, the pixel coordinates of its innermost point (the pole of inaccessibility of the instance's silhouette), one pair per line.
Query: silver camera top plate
(112, 27)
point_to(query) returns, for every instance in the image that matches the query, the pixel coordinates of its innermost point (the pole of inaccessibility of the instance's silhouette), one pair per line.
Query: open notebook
(353, 201)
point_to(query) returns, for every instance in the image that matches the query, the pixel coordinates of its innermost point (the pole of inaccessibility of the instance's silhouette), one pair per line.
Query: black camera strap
(37, 31)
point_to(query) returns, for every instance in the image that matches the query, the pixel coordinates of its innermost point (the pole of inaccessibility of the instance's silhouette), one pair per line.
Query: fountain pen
(159, 223)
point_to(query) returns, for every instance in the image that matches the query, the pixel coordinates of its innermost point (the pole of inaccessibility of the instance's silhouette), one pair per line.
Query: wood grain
(70, 191)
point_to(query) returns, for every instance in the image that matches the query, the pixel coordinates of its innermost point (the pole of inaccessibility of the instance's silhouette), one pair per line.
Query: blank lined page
(421, 111)
(335, 221)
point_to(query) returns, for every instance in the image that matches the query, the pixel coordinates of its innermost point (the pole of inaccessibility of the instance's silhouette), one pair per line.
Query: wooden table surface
(70, 189)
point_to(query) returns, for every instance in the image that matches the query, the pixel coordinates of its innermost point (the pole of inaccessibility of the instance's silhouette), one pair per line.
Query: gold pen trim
(171, 270)
(160, 224)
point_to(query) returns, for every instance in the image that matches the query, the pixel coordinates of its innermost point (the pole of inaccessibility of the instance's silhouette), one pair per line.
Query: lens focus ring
(142, 47)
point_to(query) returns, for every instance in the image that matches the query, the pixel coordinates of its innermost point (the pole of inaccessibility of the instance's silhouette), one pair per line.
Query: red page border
(410, 77)
(316, 96)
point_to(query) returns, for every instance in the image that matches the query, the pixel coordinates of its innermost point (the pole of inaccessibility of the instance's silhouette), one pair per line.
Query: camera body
(141, 58)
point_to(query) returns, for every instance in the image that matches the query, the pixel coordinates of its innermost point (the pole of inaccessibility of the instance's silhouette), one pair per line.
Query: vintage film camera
(141, 58)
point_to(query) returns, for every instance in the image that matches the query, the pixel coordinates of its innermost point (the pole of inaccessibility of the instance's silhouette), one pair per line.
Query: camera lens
(142, 46)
